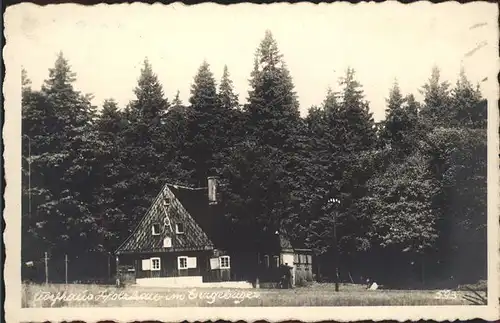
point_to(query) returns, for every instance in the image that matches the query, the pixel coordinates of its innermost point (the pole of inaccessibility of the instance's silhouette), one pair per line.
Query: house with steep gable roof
(168, 242)
(178, 242)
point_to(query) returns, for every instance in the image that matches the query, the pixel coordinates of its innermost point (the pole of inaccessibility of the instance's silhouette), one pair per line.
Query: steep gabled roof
(208, 217)
(166, 211)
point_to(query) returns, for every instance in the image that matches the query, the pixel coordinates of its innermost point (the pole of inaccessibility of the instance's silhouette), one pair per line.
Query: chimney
(212, 190)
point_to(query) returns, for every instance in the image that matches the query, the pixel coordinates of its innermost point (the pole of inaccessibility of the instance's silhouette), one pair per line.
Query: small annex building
(178, 243)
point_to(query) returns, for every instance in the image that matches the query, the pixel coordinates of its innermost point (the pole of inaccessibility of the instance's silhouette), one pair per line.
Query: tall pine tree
(344, 142)
(228, 99)
(436, 110)
(272, 102)
(206, 127)
(260, 186)
(58, 123)
(146, 148)
(111, 174)
(401, 122)
(468, 105)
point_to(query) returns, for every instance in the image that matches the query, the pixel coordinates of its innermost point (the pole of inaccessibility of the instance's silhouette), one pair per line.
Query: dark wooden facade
(184, 223)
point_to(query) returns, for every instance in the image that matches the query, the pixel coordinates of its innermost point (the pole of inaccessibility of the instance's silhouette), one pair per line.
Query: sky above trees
(107, 45)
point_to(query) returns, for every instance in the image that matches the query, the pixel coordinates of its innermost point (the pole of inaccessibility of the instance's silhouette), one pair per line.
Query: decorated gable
(166, 226)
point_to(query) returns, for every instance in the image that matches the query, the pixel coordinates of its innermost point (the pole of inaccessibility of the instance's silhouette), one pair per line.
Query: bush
(302, 282)
(481, 285)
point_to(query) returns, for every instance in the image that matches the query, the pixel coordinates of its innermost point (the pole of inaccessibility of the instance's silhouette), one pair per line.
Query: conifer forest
(406, 196)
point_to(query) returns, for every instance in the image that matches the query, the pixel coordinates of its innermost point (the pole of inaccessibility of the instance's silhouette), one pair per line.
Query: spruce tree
(34, 191)
(467, 103)
(401, 122)
(177, 102)
(436, 110)
(272, 102)
(110, 118)
(228, 99)
(150, 103)
(204, 138)
(204, 91)
(146, 147)
(356, 119)
(344, 142)
(233, 115)
(260, 191)
(58, 122)
(111, 174)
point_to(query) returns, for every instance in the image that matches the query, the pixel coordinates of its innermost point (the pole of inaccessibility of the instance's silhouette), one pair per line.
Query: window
(166, 202)
(277, 261)
(309, 259)
(182, 262)
(266, 260)
(146, 264)
(179, 228)
(167, 242)
(224, 262)
(302, 259)
(191, 262)
(155, 229)
(155, 264)
(214, 263)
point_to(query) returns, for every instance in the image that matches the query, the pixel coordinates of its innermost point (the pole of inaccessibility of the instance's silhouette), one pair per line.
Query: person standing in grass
(288, 276)
(282, 282)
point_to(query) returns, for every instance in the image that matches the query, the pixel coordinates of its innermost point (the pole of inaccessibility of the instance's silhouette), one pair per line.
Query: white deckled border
(12, 155)
(251, 314)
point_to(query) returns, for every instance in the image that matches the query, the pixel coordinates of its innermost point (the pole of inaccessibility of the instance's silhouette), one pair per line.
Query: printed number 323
(446, 294)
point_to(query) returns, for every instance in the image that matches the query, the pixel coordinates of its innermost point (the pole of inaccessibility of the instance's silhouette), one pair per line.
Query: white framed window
(182, 262)
(167, 242)
(179, 228)
(155, 264)
(166, 202)
(155, 229)
(224, 262)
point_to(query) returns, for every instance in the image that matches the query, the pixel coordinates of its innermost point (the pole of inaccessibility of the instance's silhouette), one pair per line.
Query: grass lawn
(81, 295)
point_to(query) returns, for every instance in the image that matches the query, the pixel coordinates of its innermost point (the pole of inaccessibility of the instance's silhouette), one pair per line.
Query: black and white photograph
(303, 156)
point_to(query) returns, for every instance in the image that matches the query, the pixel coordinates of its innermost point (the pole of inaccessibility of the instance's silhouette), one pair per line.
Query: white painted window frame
(179, 262)
(221, 266)
(177, 231)
(152, 264)
(167, 239)
(153, 232)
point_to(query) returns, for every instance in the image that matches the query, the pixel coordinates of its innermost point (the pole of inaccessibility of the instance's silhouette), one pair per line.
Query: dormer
(179, 228)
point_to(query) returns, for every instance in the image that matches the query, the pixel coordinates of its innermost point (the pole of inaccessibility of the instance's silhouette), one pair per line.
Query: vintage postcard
(246, 162)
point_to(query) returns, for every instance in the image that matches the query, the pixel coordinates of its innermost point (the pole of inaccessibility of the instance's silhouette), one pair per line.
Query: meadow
(86, 295)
